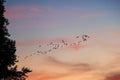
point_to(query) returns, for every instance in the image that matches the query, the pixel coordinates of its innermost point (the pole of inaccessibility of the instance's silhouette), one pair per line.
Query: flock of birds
(54, 46)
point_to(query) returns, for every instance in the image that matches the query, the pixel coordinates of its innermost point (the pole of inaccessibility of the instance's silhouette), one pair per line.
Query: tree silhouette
(8, 68)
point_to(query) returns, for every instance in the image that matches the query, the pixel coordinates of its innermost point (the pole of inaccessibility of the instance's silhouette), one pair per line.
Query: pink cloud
(52, 44)
(16, 12)
(87, 15)
(42, 42)
(27, 43)
(77, 47)
(81, 15)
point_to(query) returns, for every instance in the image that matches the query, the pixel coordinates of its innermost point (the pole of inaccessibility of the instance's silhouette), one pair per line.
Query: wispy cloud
(42, 42)
(76, 47)
(20, 12)
(81, 67)
(38, 76)
(79, 71)
(80, 15)
(71, 70)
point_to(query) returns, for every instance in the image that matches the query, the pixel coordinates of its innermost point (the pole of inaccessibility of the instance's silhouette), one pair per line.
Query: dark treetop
(8, 69)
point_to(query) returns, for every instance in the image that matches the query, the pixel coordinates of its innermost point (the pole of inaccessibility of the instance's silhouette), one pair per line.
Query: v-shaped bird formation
(51, 46)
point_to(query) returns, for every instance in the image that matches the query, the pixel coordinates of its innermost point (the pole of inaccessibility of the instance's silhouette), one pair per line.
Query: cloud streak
(76, 47)
(33, 76)
(81, 67)
(71, 70)
(22, 12)
(41, 42)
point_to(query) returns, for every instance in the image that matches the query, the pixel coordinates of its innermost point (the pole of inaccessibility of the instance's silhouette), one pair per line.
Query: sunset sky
(49, 38)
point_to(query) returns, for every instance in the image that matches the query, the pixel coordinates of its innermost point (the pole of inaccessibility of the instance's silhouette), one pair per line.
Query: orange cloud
(34, 76)
(41, 76)
(54, 77)
(72, 67)
(113, 76)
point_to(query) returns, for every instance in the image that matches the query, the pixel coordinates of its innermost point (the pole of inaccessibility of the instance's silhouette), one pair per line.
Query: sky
(66, 39)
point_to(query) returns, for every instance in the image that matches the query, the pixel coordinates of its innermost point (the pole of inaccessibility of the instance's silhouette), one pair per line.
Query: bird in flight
(54, 46)
(84, 37)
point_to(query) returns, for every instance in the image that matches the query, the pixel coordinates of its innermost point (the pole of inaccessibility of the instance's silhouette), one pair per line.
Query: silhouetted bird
(38, 51)
(79, 42)
(49, 50)
(77, 36)
(39, 45)
(84, 37)
(25, 57)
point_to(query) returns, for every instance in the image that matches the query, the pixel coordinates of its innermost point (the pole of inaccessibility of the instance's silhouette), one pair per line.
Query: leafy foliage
(8, 69)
